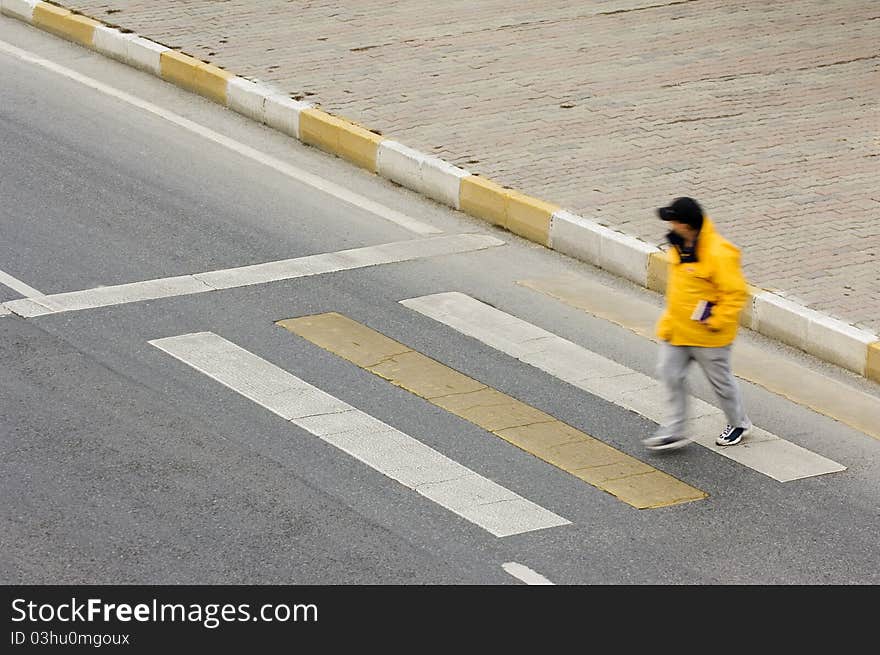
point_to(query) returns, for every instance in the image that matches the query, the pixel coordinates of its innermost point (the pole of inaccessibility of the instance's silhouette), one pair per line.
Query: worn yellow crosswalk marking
(593, 461)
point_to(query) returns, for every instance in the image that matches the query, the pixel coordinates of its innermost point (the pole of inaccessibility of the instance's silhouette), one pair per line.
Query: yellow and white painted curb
(773, 315)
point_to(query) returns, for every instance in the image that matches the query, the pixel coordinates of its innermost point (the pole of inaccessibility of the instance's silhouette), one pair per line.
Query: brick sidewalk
(765, 112)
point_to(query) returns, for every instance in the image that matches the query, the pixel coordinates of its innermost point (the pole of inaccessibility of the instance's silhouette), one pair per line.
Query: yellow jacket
(715, 277)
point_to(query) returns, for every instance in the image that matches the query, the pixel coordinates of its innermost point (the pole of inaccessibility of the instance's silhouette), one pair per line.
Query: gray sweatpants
(672, 369)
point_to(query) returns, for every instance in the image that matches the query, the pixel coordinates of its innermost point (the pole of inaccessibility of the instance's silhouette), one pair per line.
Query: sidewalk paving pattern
(765, 112)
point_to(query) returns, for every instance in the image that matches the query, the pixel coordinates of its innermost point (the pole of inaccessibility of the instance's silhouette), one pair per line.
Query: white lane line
(342, 260)
(293, 172)
(17, 285)
(389, 451)
(525, 574)
(761, 451)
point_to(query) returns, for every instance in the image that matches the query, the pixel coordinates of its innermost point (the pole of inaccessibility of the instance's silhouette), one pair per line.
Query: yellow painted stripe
(64, 23)
(522, 425)
(512, 210)
(529, 217)
(872, 366)
(359, 145)
(213, 82)
(658, 271)
(484, 199)
(339, 137)
(195, 75)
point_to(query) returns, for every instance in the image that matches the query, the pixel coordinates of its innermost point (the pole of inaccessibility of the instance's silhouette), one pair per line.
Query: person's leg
(672, 365)
(715, 363)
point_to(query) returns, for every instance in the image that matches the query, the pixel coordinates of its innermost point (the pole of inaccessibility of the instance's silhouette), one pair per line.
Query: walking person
(705, 293)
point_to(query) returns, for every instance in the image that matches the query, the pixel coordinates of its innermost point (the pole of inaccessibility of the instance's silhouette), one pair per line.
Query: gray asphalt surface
(122, 465)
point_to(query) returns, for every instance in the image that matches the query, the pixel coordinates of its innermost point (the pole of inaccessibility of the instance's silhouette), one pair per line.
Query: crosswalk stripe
(525, 574)
(761, 451)
(633, 482)
(387, 450)
(342, 260)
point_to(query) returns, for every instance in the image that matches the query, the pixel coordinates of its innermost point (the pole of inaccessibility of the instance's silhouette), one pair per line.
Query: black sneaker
(665, 442)
(732, 436)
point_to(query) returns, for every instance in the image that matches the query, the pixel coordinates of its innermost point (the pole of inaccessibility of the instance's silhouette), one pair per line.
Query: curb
(772, 315)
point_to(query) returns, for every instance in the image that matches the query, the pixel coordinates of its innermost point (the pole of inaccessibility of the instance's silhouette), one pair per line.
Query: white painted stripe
(600, 246)
(29, 307)
(389, 451)
(247, 98)
(111, 42)
(23, 9)
(4, 311)
(426, 174)
(105, 296)
(525, 574)
(293, 172)
(129, 49)
(385, 253)
(17, 285)
(400, 163)
(145, 54)
(762, 451)
(282, 113)
(811, 331)
(838, 342)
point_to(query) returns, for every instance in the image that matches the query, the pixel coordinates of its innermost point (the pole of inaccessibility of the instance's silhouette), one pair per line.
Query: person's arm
(664, 327)
(732, 290)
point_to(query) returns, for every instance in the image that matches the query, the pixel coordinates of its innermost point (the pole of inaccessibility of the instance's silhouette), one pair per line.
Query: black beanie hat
(684, 210)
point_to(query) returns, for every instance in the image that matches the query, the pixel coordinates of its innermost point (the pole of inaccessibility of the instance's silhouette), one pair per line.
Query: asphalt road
(121, 464)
